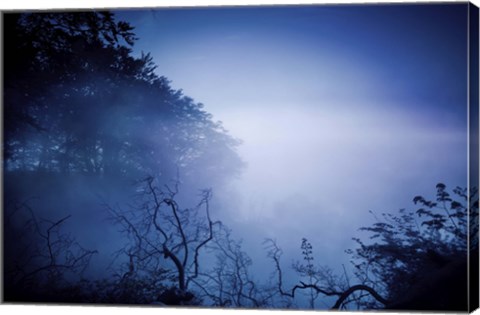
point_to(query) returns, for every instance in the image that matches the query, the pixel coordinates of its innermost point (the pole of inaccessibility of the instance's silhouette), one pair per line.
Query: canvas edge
(473, 117)
(473, 145)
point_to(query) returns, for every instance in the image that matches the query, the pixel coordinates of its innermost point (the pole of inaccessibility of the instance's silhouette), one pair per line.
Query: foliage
(412, 259)
(307, 270)
(77, 100)
(405, 248)
(321, 279)
(80, 109)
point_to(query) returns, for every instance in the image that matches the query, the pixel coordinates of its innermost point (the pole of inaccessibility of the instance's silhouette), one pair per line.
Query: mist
(339, 112)
(204, 153)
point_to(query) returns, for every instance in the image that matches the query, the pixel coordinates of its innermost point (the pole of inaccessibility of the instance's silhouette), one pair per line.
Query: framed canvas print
(303, 157)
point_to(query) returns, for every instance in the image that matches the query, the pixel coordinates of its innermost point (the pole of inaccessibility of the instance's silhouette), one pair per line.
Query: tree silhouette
(323, 281)
(411, 251)
(412, 247)
(179, 244)
(80, 109)
(413, 260)
(45, 258)
(77, 101)
(160, 230)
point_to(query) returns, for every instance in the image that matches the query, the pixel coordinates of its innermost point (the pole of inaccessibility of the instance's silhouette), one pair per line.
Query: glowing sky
(341, 109)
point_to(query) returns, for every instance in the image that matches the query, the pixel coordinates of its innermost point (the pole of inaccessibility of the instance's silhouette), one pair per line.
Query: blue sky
(341, 109)
(409, 53)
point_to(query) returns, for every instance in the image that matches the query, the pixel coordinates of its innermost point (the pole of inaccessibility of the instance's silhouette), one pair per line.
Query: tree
(415, 249)
(307, 270)
(322, 280)
(229, 283)
(81, 111)
(43, 53)
(170, 245)
(77, 101)
(159, 230)
(43, 260)
(414, 260)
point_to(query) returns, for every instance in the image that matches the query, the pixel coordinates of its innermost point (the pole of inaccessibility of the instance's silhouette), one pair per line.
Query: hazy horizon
(340, 109)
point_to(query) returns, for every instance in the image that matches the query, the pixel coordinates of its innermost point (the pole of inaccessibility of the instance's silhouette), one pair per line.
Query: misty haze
(292, 157)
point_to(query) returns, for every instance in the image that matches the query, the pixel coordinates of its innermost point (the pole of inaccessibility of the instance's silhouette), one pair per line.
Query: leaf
(423, 211)
(417, 199)
(455, 205)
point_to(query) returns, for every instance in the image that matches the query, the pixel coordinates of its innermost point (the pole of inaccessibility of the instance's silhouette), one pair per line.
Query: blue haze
(341, 109)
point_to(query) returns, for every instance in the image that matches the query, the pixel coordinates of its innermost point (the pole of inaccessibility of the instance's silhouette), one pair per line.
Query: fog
(340, 112)
(311, 123)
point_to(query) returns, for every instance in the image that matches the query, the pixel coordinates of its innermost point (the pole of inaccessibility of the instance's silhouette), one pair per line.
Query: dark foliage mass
(412, 249)
(81, 111)
(419, 258)
(77, 101)
(413, 260)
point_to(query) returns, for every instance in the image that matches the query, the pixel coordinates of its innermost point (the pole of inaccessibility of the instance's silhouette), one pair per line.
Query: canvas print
(304, 157)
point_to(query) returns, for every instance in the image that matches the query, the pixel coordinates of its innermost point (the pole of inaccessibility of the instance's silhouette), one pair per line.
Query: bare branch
(178, 265)
(174, 206)
(275, 253)
(157, 208)
(48, 238)
(54, 244)
(359, 287)
(207, 194)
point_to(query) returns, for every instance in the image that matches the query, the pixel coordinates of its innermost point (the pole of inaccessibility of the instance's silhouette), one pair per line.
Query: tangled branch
(274, 252)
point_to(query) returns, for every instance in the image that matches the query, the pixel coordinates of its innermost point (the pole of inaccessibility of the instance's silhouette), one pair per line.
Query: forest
(111, 185)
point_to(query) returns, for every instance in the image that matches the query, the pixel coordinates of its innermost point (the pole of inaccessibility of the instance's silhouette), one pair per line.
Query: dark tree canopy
(418, 259)
(77, 100)
(80, 112)
(413, 260)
